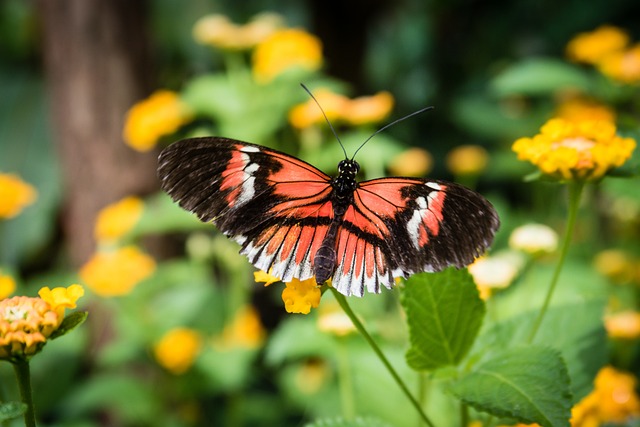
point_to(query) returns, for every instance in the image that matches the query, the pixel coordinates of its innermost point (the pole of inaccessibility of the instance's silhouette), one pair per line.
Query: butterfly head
(348, 168)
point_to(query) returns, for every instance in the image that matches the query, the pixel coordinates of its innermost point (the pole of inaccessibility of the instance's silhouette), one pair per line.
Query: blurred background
(70, 72)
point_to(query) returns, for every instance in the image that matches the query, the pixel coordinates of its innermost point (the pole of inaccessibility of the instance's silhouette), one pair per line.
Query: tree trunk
(96, 60)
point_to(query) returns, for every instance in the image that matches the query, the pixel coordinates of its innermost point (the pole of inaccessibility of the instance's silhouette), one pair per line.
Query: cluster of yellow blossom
(160, 114)
(26, 322)
(608, 49)
(116, 272)
(337, 107)
(624, 325)
(117, 219)
(299, 296)
(413, 162)
(467, 160)
(218, 31)
(15, 195)
(177, 349)
(7, 285)
(613, 400)
(244, 331)
(575, 150)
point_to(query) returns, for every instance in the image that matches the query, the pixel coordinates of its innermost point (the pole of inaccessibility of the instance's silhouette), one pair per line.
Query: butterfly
(295, 221)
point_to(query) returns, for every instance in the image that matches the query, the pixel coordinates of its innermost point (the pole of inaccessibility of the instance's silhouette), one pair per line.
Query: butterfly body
(297, 222)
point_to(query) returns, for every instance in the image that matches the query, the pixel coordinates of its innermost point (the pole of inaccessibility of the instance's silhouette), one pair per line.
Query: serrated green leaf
(69, 323)
(540, 76)
(341, 422)
(444, 314)
(527, 383)
(576, 330)
(11, 410)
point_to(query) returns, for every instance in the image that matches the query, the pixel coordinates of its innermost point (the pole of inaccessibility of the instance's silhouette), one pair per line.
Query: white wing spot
(413, 225)
(433, 185)
(250, 149)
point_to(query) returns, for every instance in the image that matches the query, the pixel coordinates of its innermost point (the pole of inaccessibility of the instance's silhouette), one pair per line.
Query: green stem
(464, 414)
(575, 191)
(23, 376)
(360, 327)
(346, 386)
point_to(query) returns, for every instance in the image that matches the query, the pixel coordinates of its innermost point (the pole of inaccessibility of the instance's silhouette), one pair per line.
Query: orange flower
(160, 114)
(284, 50)
(117, 272)
(15, 195)
(591, 47)
(583, 150)
(622, 66)
(177, 349)
(301, 296)
(117, 219)
(216, 30)
(368, 109)
(613, 400)
(244, 331)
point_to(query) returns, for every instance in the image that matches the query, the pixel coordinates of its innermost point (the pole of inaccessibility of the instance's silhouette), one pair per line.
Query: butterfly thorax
(345, 183)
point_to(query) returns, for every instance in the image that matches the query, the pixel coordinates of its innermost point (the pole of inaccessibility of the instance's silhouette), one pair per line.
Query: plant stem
(346, 385)
(23, 375)
(464, 414)
(360, 327)
(575, 191)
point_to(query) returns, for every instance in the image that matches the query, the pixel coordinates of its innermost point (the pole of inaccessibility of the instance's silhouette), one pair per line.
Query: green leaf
(69, 323)
(444, 314)
(11, 410)
(341, 422)
(528, 383)
(540, 76)
(576, 330)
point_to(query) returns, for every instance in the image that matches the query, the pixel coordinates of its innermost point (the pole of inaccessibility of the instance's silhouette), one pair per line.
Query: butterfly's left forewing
(400, 226)
(276, 206)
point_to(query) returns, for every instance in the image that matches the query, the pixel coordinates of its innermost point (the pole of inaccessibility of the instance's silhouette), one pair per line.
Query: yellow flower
(311, 376)
(414, 162)
(117, 272)
(177, 349)
(613, 400)
(216, 30)
(245, 331)
(308, 113)
(368, 109)
(616, 265)
(61, 298)
(467, 160)
(7, 285)
(160, 114)
(492, 273)
(583, 150)
(117, 219)
(591, 47)
(301, 296)
(623, 66)
(332, 319)
(283, 50)
(267, 278)
(25, 325)
(15, 195)
(623, 325)
(578, 109)
(534, 239)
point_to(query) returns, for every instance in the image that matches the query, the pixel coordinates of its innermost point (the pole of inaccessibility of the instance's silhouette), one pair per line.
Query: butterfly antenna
(326, 118)
(389, 125)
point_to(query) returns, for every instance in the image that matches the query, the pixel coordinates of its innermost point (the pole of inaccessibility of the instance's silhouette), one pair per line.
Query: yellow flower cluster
(608, 49)
(7, 285)
(177, 349)
(578, 109)
(244, 331)
(570, 150)
(160, 114)
(284, 50)
(299, 296)
(337, 107)
(624, 325)
(15, 195)
(117, 219)
(117, 272)
(415, 161)
(218, 31)
(467, 160)
(613, 400)
(26, 323)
